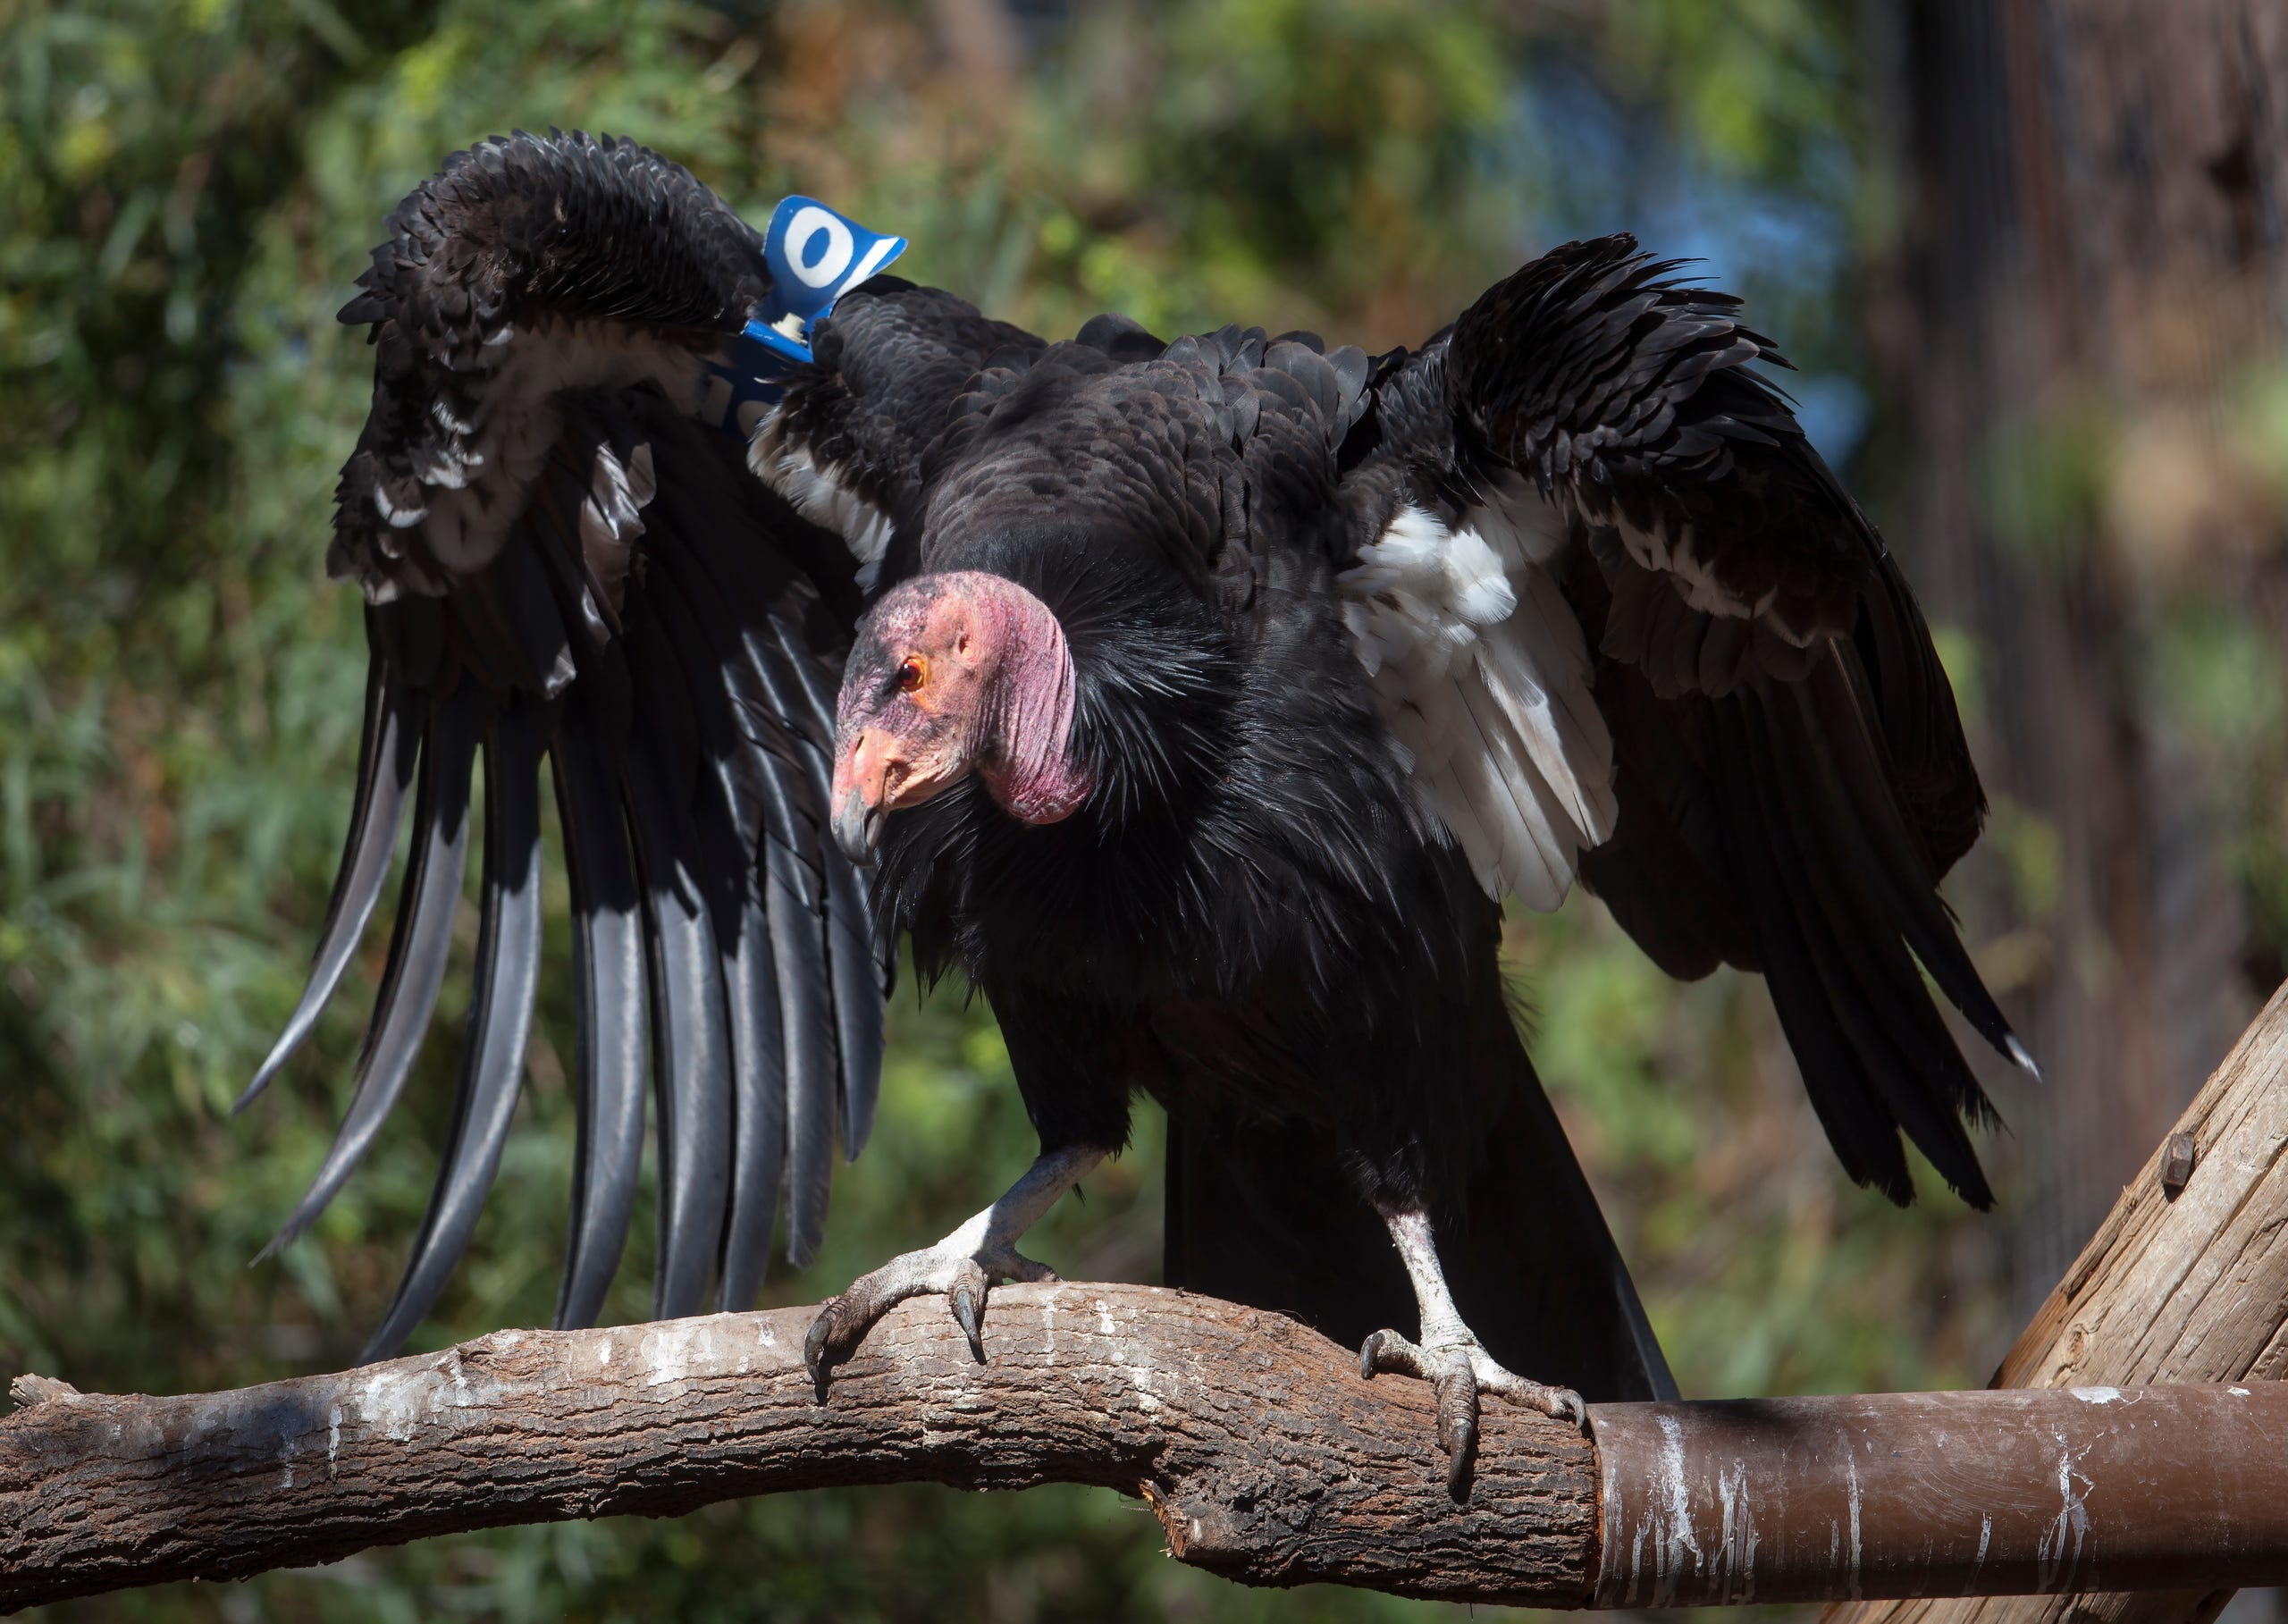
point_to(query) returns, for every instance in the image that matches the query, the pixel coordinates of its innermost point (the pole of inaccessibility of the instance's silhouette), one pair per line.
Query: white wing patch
(1484, 678)
(789, 469)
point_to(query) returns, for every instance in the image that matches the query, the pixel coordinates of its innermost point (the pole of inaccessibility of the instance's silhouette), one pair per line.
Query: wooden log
(2185, 1281)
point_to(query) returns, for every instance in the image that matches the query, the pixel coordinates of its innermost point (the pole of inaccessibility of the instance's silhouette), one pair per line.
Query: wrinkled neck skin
(1026, 756)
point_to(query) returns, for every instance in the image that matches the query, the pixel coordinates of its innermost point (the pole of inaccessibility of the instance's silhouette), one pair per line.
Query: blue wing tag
(815, 256)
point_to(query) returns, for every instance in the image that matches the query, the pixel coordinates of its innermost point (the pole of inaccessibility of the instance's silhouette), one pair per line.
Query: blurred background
(2029, 254)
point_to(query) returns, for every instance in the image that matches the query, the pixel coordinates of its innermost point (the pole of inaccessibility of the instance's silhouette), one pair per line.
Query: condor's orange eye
(911, 674)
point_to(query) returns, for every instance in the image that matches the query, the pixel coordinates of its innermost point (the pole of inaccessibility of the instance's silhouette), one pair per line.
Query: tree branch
(2185, 1281)
(1264, 1454)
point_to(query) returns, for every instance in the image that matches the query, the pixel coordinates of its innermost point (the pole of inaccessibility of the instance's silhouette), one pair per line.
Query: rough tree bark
(2185, 1281)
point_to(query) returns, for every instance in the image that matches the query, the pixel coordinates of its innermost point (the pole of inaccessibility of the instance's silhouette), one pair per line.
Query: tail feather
(1267, 1214)
(1535, 1268)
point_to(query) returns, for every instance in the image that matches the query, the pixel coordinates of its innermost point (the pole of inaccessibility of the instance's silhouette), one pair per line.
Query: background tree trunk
(2090, 259)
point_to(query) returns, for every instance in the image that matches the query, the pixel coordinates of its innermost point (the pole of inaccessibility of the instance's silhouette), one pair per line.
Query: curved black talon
(1459, 1421)
(1456, 1388)
(1370, 1355)
(814, 1350)
(814, 1342)
(968, 1298)
(842, 1324)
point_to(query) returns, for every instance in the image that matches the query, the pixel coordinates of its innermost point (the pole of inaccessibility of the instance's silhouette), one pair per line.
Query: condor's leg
(961, 1268)
(1449, 1355)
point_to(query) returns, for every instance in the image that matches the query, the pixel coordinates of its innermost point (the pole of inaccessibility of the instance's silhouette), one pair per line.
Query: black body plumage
(1358, 645)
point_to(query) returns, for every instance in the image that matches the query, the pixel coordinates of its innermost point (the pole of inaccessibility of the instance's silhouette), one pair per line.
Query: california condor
(1199, 702)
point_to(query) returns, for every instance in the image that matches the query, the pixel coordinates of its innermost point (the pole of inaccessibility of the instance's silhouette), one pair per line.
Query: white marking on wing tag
(802, 232)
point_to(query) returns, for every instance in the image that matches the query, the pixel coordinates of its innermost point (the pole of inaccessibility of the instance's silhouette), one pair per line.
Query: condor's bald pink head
(953, 674)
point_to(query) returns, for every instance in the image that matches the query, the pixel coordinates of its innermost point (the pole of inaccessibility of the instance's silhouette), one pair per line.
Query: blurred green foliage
(186, 190)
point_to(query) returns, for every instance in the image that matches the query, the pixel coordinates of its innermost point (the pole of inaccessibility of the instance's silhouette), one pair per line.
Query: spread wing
(1632, 626)
(567, 569)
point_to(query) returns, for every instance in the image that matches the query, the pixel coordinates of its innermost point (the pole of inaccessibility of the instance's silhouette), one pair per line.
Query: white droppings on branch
(670, 1352)
(1851, 1471)
(395, 1399)
(1741, 1535)
(2058, 1563)
(394, 1402)
(1670, 1522)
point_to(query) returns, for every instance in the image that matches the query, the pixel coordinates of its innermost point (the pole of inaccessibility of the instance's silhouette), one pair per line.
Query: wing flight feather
(1708, 671)
(562, 563)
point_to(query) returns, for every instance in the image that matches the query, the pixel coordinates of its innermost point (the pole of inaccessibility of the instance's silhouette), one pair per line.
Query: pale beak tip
(857, 827)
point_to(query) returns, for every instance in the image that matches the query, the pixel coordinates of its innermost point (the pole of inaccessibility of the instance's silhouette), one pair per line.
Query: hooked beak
(857, 827)
(861, 798)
